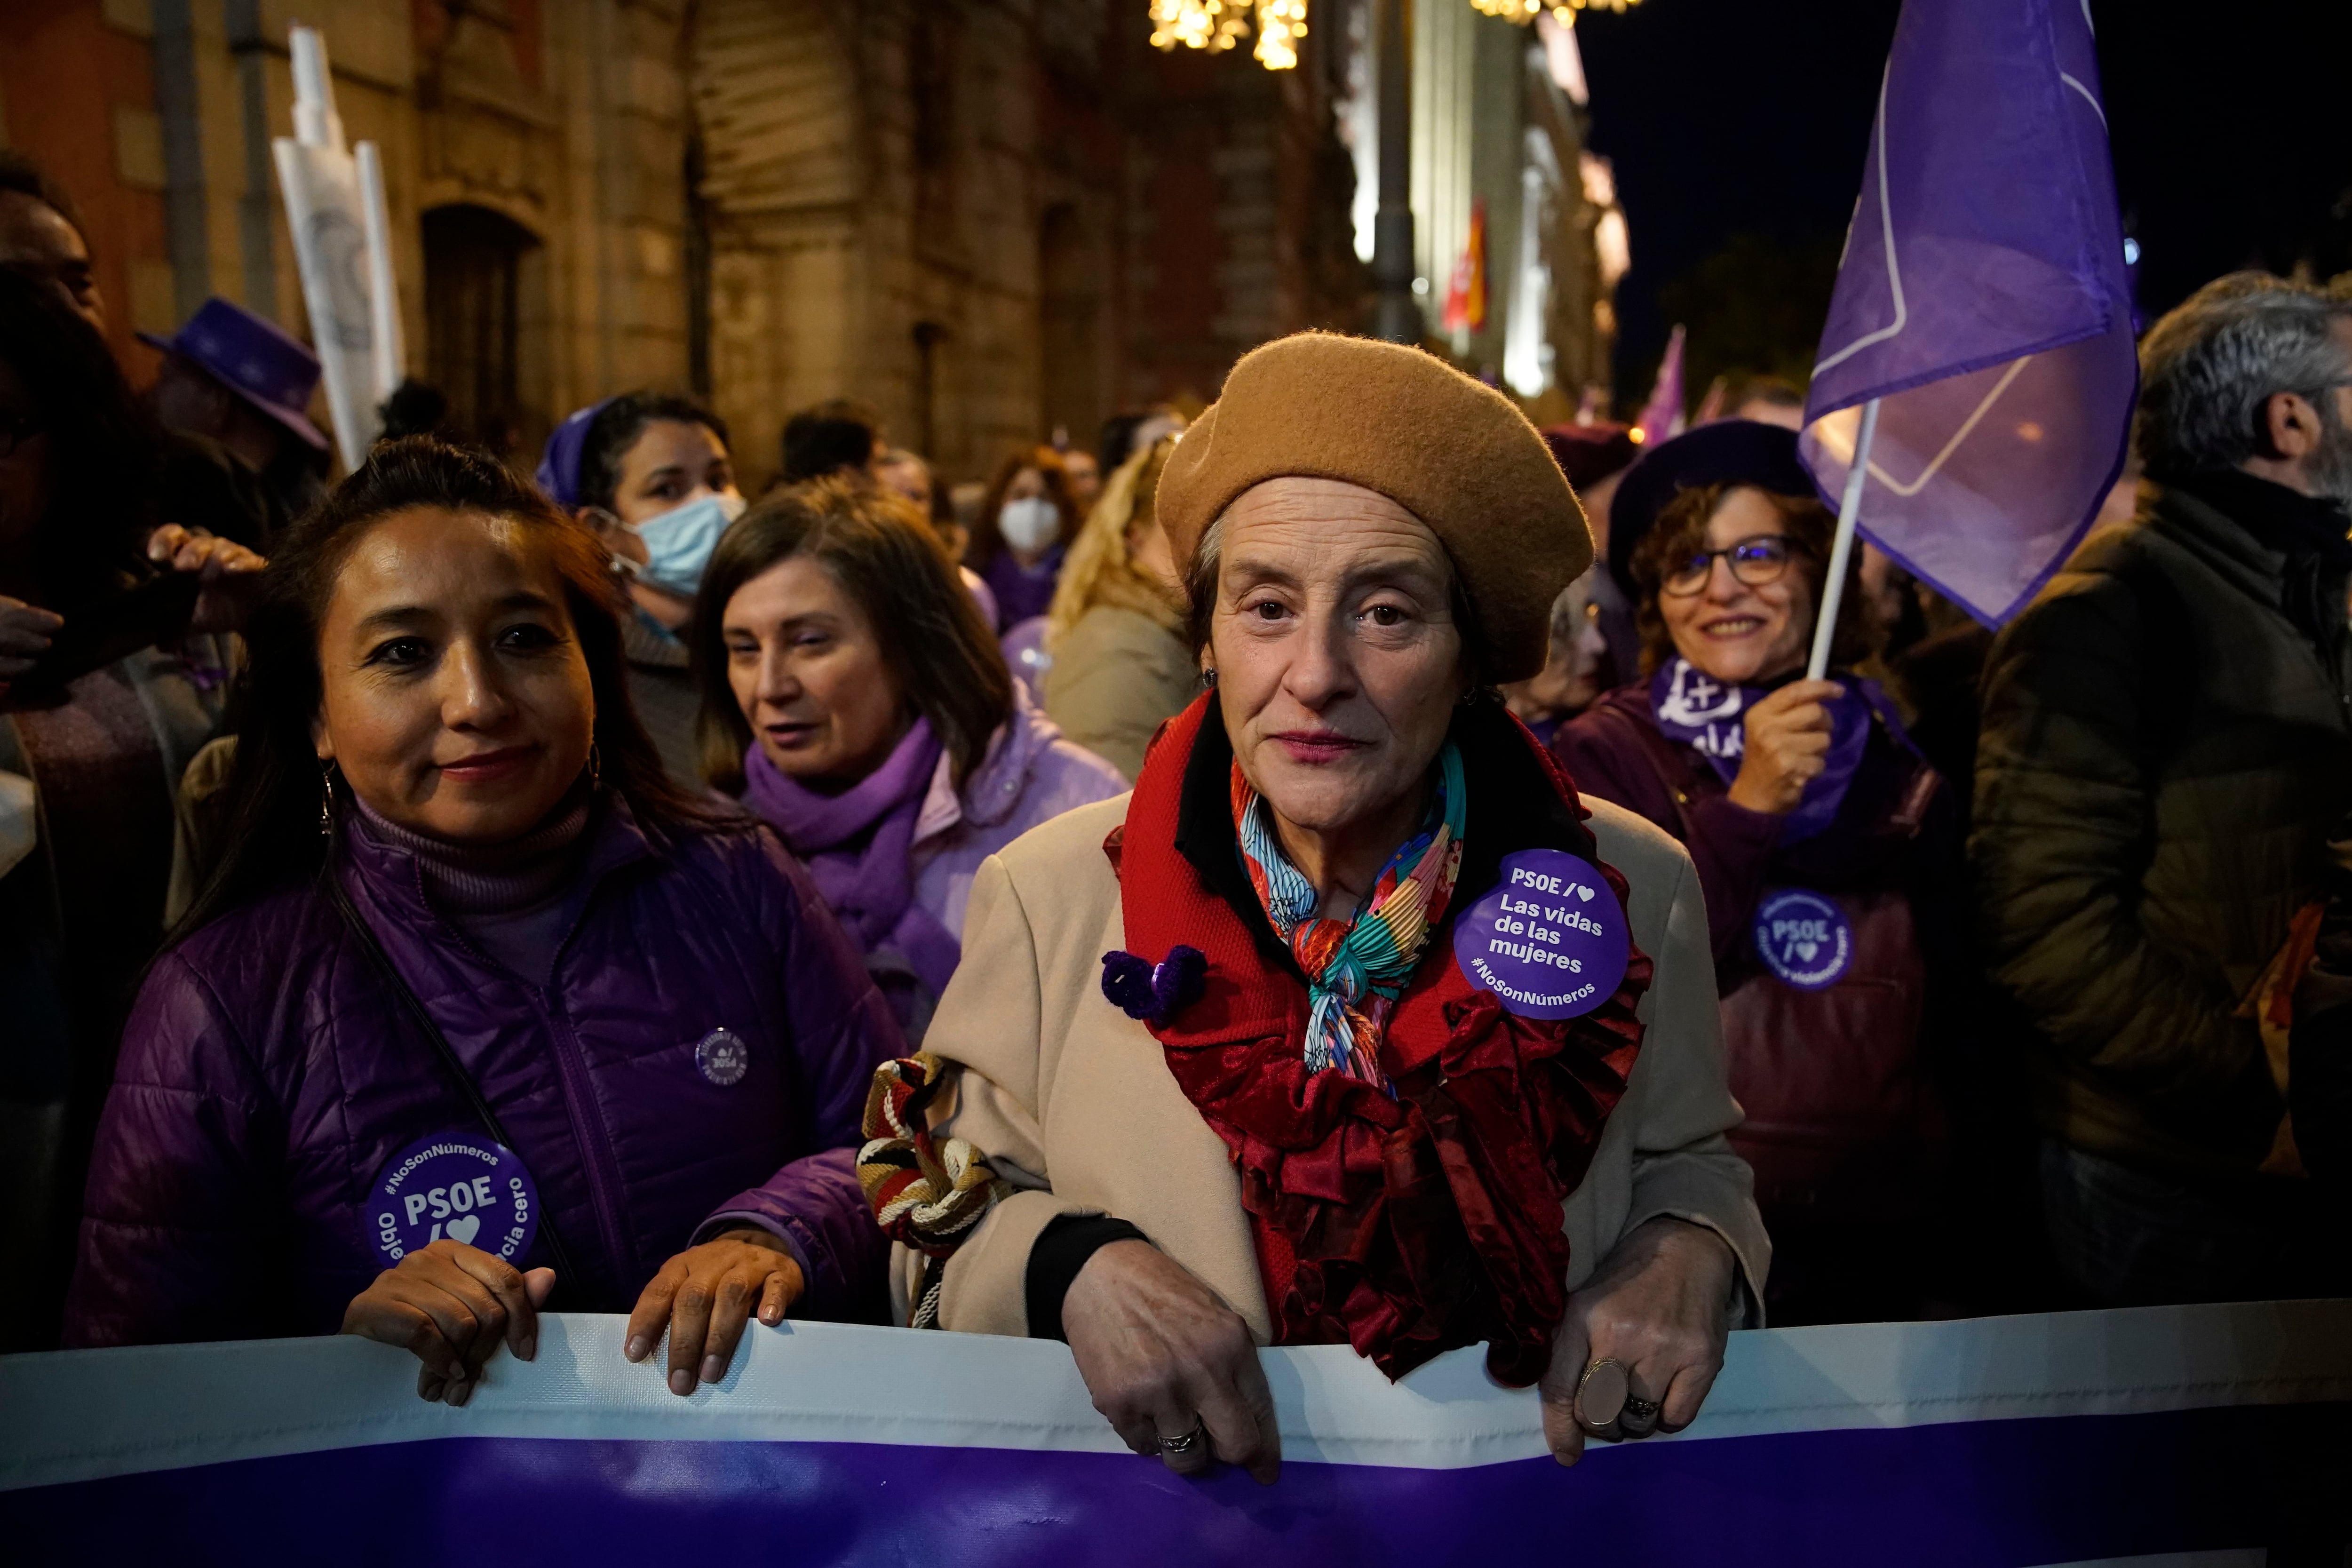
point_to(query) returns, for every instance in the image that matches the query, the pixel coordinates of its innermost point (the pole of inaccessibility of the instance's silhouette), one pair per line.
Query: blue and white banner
(2176, 1436)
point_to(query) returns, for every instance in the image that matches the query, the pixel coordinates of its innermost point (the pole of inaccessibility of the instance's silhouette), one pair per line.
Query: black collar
(2297, 526)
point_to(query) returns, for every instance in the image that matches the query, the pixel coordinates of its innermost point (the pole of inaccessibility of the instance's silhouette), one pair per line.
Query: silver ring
(1184, 1445)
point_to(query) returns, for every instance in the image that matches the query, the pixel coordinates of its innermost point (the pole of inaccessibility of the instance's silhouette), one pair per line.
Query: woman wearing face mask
(1025, 525)
(480, 1005)
(1119, 667)
(1826, 847)
(854, 698)
(652, 472)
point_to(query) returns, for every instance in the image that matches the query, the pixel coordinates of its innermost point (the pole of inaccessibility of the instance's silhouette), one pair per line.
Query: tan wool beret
(1456, 454)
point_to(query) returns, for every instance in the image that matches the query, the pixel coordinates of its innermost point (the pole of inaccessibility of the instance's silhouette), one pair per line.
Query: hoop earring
(596, 766)
(327, 798)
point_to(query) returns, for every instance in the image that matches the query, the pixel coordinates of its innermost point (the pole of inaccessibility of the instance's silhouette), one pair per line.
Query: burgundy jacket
(1739, 852)
(269, 1072)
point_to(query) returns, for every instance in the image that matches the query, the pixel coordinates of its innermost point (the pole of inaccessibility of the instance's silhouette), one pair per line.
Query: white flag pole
(316, 123)
(383, 298)
(1857, 474)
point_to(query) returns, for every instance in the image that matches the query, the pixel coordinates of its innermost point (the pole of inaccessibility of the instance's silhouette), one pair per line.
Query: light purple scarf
(1710, 715)
(856, 846)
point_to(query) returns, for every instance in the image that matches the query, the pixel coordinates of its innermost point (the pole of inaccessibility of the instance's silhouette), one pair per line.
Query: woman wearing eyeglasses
(1826, 847)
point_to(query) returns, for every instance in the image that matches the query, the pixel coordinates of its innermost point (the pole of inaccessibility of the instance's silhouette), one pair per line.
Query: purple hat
(1589, 453)
(1728, 452)
(558, 462)
(252, 358)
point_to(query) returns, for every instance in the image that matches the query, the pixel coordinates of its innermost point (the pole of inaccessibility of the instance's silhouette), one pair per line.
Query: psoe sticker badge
(1803, 938)
(1551, 940)
(461, 1185)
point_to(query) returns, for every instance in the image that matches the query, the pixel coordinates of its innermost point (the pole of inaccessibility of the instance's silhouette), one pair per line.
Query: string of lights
(1562, 11)
(1217, 25)
(1209, 24)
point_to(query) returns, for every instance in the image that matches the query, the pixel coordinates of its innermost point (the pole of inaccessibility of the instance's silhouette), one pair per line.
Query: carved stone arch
(523, 212)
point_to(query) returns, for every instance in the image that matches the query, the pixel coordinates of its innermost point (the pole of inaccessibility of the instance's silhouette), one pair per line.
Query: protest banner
(2190, 1435)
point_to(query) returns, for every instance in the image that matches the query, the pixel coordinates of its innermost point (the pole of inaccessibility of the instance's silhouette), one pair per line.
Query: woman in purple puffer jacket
(480, 1006)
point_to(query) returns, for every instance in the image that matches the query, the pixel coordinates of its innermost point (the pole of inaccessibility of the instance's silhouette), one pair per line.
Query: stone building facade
(986, 218)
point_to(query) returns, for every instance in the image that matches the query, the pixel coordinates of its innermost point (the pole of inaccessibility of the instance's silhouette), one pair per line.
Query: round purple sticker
(457, 1185)
(1549, 942)
(1803, 939)
(722, 1058)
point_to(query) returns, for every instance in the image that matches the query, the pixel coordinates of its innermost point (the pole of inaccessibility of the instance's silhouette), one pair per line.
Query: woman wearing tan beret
(1352, 1022)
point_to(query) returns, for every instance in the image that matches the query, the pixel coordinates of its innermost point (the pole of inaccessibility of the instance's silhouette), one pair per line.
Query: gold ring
(1602, 1393)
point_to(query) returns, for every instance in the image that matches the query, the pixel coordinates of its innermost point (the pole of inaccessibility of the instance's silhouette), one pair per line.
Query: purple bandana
(1698, 710)
(856, 846)
(559, 463)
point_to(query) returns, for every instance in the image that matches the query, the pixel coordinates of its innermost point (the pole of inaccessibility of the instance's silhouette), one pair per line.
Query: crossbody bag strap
(448, 1053)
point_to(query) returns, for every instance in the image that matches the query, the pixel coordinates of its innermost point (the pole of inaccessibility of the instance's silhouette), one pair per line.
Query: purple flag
(1982, 299)
(1661, 417)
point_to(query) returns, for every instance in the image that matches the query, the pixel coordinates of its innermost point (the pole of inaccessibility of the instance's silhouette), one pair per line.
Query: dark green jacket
(2163, 755)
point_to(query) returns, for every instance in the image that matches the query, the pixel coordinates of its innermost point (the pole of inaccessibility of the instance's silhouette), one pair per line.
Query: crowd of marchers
(1044, 907)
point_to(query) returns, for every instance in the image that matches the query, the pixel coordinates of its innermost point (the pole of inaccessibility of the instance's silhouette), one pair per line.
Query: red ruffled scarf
(1406, 1226)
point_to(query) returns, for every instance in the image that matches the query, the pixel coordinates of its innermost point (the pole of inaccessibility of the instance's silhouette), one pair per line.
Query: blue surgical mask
(678, 542)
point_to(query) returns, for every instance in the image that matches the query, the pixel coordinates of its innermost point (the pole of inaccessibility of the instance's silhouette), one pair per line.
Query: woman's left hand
(706, 1294)
(229, 575)
(1660, 1306)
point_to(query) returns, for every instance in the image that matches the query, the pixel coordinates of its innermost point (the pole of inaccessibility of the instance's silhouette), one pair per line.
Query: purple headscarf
(856, 846)
(559, 461)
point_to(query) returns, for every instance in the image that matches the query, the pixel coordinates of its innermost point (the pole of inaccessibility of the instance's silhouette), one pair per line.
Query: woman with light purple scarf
(1827, 848)
(854, 699)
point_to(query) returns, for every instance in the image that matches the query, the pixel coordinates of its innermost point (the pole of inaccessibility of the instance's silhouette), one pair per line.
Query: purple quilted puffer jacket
(268, 1073)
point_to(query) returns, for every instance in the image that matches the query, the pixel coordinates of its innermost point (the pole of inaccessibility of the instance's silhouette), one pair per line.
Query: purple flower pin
(1141, 989)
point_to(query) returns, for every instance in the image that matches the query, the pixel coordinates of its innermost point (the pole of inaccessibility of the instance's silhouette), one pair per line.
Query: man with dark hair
(40, 235)
(2167, 742)
(205, 486)
(832, 437)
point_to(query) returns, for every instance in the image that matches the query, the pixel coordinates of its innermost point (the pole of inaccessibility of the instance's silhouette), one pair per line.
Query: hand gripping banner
(2188, 1437)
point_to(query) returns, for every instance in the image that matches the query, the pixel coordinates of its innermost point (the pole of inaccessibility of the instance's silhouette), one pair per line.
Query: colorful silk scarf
(1356, 968)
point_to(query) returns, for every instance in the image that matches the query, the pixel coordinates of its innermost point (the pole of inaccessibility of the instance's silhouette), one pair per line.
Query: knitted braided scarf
(1356, 968)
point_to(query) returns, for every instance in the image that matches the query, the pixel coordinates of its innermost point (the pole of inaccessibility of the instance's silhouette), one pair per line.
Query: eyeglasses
(1755, 562)
(16, 429)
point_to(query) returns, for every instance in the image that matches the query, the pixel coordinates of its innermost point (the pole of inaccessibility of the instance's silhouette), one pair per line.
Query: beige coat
(1116, 677)
(1074, 1103)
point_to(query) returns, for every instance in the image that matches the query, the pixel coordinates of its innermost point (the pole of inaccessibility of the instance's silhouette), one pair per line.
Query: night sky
(2231, 127)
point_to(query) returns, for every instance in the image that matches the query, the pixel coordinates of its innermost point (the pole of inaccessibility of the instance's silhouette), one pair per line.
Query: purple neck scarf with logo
(1696, 709)
(856, 844)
